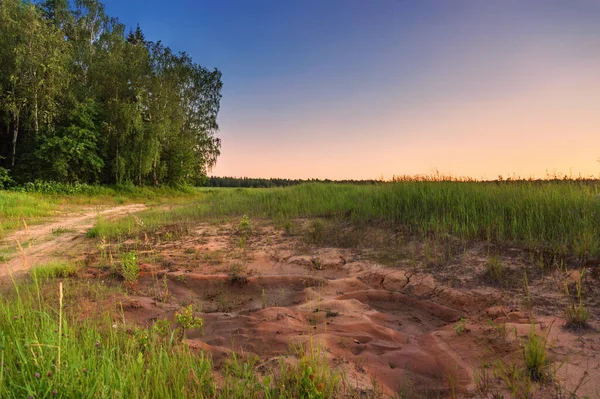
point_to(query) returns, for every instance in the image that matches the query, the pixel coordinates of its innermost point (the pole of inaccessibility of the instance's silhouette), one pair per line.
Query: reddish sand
(418, 332)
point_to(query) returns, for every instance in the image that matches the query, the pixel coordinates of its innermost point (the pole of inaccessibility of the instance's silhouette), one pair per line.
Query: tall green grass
(562, 217)
(14, 207)
(45, 353)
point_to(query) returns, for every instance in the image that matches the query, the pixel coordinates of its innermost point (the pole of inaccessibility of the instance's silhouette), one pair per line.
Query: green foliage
(576, 313)
(82, 101)
(310, 377)
(186, 319)
(461, 326)
(251, 182)
(48, 350)
(73, 153)
(561, 217)
(17, 207)
(535, 355)
(54, 270)
(89, 358)
(129, 267)
(5, 179)
(244, 226)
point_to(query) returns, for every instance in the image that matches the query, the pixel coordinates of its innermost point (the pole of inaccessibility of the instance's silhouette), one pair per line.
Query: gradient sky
(368, 88)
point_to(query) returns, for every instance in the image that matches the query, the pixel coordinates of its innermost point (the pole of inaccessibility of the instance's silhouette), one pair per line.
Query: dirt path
(56, 239)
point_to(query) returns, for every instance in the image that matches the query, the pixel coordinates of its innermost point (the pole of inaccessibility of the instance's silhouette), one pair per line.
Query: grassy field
(48, 350)
(562, 218)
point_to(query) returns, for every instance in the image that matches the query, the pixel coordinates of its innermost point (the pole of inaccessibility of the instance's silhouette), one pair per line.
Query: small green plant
(535, 355)
(162, 329)
(316, 232)
(164, 294)
(494, 269)
(244, 227)
(130, 269)
(516, 378)
(181, 278)
(290, 228)
(576, 314)
(186, 320)
(236, 273)
(527, 300)
(461, 326)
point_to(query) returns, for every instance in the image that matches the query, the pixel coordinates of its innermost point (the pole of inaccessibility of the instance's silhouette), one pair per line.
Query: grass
(576, 314)
(494, 269)
(46, 350)
(55, 270)
(560, 217)
(535, 355)
(90, 359)
(16, 207)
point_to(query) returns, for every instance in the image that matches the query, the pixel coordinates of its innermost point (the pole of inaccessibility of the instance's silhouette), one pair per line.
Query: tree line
(82, 100)
(251, 182)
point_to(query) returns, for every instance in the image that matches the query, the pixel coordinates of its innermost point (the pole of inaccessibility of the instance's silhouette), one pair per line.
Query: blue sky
(360, 89)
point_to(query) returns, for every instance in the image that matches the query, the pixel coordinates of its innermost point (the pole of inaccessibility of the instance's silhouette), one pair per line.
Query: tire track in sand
(43, 245)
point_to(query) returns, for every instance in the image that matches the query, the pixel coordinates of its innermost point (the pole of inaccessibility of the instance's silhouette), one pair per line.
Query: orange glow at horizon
(549, 130)
(480, 91)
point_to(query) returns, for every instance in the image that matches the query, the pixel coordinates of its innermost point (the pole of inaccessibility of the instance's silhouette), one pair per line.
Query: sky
(364, 89)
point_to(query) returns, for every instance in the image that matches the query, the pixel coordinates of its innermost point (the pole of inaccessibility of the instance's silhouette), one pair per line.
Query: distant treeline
(250, 182)
(266, 183)
(84, 101)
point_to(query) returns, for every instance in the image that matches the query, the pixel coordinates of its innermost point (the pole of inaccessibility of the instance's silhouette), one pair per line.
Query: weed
(51, 350)
(316, 232)
(290, 228)
(527, 299)
(129, 268)
(516, 379)
(165, 289)
(483, 380)
(576, 314)
(461, 326)
(494, 269)
(236, 273)
(535, 355)
(244, 227)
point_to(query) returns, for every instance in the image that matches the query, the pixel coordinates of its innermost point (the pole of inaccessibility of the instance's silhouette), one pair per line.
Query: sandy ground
(409, 331)
(401, 331)
(44, 242)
